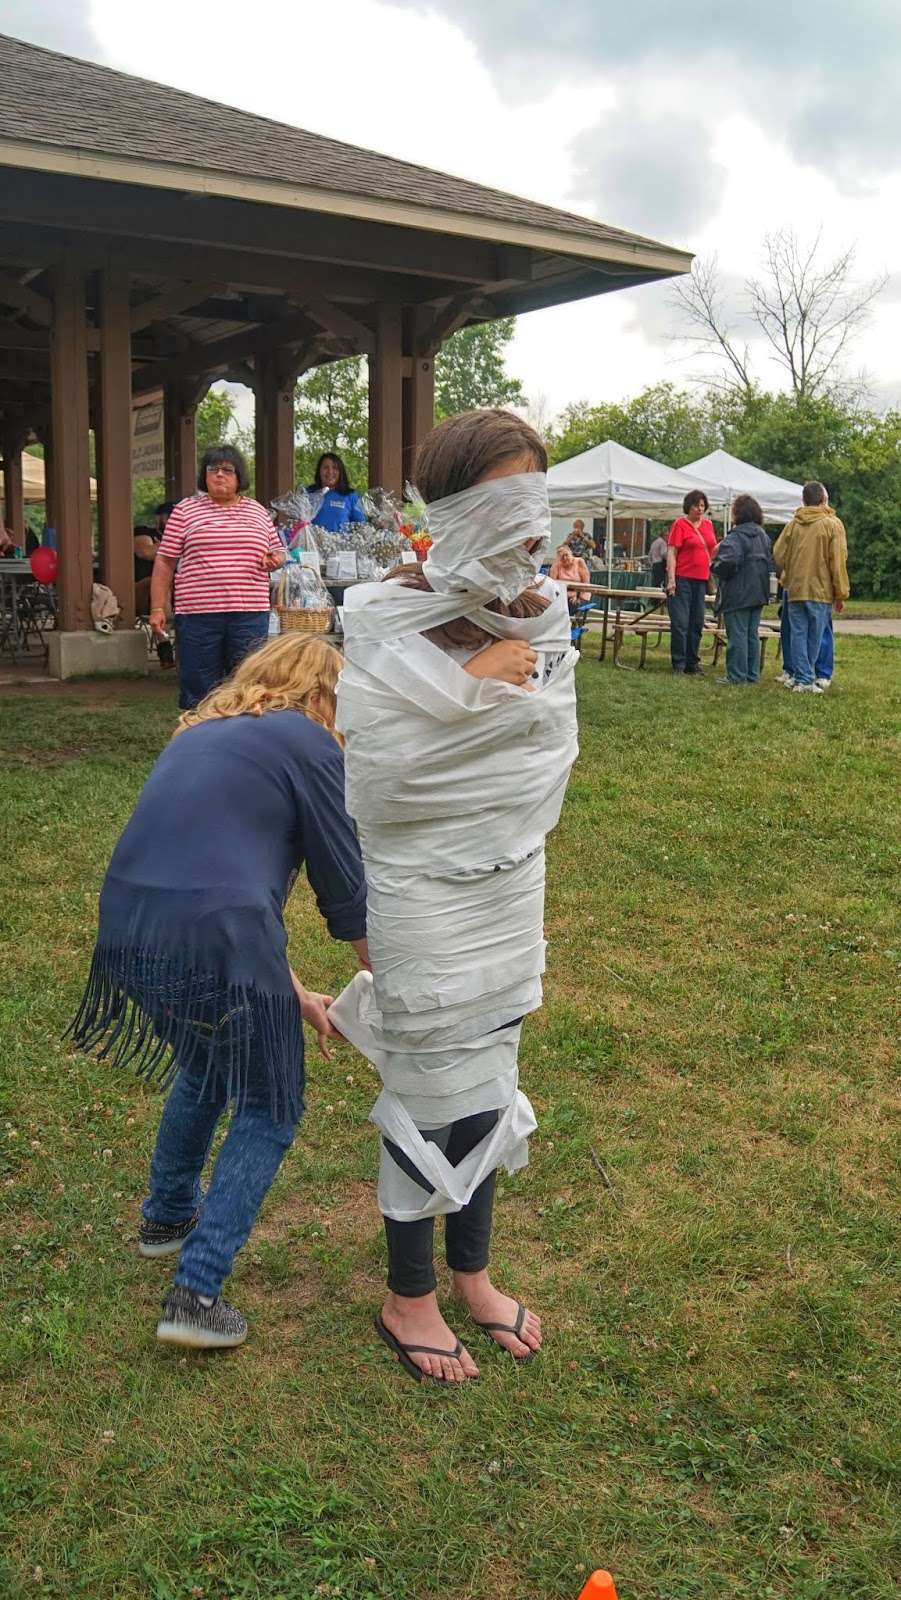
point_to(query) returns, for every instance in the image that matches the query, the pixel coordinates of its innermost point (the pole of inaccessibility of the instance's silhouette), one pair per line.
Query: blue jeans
(825, 660)
(807, 623)
(686, 614)
(743, 645)
(250, 1156)
(210, 646)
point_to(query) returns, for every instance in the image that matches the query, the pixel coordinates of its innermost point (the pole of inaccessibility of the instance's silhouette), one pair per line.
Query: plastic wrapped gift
(294, 513)
(300, 599)
(359, 550)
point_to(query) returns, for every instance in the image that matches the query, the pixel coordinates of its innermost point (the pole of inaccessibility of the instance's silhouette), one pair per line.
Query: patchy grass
(714, 1412)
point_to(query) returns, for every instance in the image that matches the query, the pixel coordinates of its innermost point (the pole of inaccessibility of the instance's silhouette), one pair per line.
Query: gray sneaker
(186, 1320)
(164, 1238)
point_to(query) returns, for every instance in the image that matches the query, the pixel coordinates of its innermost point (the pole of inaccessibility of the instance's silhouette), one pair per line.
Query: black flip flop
(504, 1327)
(403, 1352)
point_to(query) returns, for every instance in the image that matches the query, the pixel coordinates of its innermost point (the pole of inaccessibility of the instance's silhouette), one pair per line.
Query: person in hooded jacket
(742, 565)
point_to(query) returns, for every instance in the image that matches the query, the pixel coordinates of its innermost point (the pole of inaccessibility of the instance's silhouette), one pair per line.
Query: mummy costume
(453, 782)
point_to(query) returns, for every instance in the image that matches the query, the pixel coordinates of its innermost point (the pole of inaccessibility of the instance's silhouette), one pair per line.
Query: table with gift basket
(307, 592)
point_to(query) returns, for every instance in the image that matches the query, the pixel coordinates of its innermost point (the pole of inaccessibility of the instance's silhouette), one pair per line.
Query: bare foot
(417, 1320)
(487, 1304)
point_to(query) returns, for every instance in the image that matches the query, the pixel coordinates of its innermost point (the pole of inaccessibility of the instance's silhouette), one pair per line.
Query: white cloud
(407, 79)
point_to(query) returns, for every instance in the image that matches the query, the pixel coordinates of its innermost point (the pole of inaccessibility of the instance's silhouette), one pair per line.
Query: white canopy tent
(722, 477)
(34, 486)
(609, 479)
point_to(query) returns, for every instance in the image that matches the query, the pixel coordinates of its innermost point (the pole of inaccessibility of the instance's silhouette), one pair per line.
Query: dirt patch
(353, 1216)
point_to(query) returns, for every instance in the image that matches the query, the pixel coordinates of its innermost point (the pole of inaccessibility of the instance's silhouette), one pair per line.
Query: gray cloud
(62, 25)
(826, 76)
(651, 174)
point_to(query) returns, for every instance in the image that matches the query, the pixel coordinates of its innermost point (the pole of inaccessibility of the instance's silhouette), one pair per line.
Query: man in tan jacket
(811, 555)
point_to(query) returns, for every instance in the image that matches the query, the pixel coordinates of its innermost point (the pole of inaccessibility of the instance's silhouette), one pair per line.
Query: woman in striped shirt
(224, 547)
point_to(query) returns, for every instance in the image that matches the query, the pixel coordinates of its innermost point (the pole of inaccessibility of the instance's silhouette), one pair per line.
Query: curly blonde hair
(285, 674)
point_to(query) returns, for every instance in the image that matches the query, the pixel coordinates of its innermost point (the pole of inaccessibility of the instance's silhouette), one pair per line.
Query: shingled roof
(59, 101)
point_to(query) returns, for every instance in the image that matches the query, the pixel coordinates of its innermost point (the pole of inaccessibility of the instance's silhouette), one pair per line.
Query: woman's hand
(313, 1009)
(509, 661)
(272, 559)
(361, 946)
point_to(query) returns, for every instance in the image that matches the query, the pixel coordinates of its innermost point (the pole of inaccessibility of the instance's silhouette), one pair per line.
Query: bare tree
(808, 311)
(700, 298)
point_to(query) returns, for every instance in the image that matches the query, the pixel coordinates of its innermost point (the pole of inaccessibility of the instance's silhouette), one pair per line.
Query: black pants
(467, 1233)
(686, 615)
(658, 574)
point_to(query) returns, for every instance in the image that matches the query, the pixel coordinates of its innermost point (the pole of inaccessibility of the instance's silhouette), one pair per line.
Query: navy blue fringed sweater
(191, 951)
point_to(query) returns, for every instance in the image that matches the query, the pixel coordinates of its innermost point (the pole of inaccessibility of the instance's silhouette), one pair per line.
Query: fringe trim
(150, 1011)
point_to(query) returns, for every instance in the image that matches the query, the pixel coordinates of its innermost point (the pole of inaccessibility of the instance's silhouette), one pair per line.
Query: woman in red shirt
(690, 547)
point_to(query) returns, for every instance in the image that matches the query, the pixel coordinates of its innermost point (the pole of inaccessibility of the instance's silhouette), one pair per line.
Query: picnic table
(627, 620)
(647, 621)
(25, 605)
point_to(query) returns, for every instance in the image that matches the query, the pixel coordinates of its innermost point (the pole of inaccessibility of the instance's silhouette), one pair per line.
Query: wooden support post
(46, 437)
(71, 488)
(113, 441)
(180, 400)
(13, 490)
(419, 388)
(274, 424)
(386, 401)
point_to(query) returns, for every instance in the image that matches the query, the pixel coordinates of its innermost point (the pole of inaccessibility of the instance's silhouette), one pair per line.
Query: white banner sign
(147, 454)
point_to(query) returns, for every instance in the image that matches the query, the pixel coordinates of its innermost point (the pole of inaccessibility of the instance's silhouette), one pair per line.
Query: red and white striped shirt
(219, 550)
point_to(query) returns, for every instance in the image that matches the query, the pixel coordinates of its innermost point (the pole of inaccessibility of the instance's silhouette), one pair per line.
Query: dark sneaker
(164, 1238)
(186, 1320)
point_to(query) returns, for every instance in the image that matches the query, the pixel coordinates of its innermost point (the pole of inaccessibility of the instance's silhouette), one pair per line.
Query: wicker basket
(304, 621)
(295, 621)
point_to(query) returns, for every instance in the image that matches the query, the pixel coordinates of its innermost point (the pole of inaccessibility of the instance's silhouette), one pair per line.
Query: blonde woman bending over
(190, 982)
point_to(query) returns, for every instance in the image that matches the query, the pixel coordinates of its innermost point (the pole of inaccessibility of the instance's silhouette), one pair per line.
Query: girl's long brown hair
(453, 457)
(285, 674)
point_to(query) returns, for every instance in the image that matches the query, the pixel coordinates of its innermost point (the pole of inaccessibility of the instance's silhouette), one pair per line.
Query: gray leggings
(467, 1232)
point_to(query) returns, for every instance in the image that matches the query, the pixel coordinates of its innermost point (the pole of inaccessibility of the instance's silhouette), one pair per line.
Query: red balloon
(44, 563)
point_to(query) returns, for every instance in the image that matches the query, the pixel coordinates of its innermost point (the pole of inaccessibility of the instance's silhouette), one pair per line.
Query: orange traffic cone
(600, 1586)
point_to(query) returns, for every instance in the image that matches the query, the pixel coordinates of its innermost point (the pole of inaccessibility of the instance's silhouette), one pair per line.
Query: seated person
(567, 568)
(7, 543)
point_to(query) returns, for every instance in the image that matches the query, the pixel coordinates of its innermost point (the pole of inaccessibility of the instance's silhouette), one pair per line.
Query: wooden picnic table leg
(604, 628)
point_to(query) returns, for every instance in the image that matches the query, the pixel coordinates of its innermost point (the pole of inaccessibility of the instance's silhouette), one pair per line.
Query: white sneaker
(823, 683)
(787, 680)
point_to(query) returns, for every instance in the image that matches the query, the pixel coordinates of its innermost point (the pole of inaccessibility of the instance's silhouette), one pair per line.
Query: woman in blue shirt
(190, 982)
(341, 504)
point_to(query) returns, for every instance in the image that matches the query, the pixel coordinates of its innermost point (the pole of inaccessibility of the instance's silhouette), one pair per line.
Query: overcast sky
(703, 124)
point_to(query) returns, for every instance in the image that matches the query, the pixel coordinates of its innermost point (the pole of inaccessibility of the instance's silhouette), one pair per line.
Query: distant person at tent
(811, 556)
(580, 543)
(657, 555)
(690, 546)
(7, 543)
(341, 504)
(742, 565)
(161, 516)
(568, 568)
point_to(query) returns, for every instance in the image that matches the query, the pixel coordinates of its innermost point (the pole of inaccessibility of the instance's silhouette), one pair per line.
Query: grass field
(714, 1413)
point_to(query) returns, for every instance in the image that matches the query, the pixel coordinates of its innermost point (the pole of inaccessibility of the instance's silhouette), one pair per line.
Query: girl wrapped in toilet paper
(457, 705)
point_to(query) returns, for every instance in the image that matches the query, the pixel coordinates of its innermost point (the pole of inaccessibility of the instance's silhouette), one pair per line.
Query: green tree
(854, 451)
(216, 423)
(331, 412)
(470, 370)
(668, 424)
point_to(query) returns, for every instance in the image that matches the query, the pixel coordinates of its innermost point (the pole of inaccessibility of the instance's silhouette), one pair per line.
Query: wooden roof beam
(169, 304)
(337, 322)
(92, 206)
(206, 358)
(17, 294)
